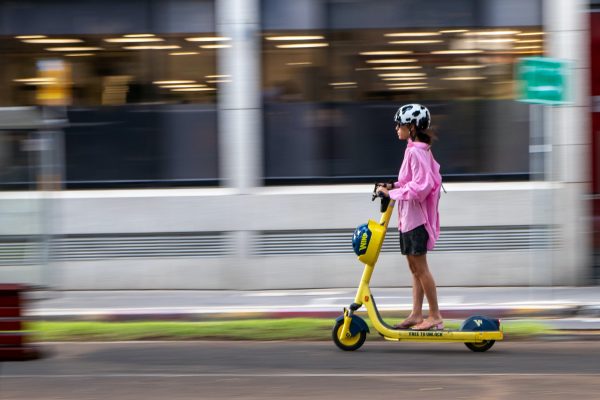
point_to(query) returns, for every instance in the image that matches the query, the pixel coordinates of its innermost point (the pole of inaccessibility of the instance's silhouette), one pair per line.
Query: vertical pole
(240, 103)
(240, 110)
(51, 178)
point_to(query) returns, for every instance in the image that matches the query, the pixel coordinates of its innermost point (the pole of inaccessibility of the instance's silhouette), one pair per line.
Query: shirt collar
(419, 145)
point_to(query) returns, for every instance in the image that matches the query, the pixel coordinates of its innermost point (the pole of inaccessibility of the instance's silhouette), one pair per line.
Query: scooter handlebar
(385, 200)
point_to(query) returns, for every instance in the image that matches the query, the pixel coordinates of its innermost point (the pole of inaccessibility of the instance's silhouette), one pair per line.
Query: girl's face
(402, 131)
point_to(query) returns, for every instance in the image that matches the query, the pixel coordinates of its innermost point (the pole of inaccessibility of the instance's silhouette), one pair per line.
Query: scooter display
(478, 333)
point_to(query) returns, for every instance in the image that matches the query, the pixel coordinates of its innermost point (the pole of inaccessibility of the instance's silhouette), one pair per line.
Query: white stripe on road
(297, 375)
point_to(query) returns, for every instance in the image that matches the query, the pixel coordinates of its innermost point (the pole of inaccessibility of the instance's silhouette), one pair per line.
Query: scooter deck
(445, 335)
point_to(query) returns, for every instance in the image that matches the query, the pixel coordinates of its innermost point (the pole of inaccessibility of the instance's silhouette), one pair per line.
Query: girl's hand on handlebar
(382, 191)
(388, 186)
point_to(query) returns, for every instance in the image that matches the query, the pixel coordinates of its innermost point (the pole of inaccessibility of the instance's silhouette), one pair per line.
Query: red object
(13, 339)
(595, 139)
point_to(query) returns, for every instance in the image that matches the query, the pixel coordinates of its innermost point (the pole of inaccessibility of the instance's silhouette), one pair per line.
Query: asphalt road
(305, 370)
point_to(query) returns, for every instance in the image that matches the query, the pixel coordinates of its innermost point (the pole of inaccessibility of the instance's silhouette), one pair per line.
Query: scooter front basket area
(370, 245)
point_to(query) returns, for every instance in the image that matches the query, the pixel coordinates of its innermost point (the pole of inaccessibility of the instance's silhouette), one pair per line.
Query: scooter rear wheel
(480, 347)
(350, 343)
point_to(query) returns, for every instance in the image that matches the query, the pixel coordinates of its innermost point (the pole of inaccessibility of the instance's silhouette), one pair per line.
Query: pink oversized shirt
(417, 191)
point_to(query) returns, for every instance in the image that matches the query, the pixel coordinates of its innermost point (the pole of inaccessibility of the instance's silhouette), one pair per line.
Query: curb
(233, 314)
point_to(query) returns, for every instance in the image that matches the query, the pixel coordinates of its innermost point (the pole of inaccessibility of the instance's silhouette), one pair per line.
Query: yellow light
(79, 55)
(40, 83)
(134, 40)
(457, 51)
(531, 34)
(464, 78)
(74, 48)
(385, 53)
(285, 38)
(173, 82)
(301, 45)
(416, 41)
(461, 67)
(407, 88)
(208, 39)
(215, 46)
(392, 61)
(405, 84)
(200, 89)
(455, 31)
(412, 34)
(396, 67)
(401, 74)
(492, 33)
(31, 80)
(182, 86)
(412, 78)
(153, 47)
(531, 41)
(52, 41)
(31, 37)
(342, 83)
(184, 53)
(134, 35)
(526, 47)
(299, 63)
(503, 40)
(528, 52)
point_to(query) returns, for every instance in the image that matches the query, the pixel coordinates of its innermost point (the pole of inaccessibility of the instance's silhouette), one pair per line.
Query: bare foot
(408, 322)
(428, 324)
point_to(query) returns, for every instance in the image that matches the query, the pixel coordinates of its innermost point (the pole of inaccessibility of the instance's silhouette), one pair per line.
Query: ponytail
(425, 136)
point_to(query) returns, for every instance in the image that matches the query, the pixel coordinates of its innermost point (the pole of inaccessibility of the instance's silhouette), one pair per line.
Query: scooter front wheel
(349, 343)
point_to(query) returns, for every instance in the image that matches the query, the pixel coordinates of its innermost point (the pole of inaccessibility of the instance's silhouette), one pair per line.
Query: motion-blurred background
(233, 144)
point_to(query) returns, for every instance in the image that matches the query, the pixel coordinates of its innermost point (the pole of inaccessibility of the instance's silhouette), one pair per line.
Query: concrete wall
(290, 209)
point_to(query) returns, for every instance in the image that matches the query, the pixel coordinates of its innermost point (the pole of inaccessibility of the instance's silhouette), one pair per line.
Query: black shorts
(414, 242)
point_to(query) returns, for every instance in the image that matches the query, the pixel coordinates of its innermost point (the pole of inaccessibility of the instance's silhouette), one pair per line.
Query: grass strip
(257, 329)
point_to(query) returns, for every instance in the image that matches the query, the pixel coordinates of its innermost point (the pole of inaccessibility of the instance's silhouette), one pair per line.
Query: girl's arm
(419, 187)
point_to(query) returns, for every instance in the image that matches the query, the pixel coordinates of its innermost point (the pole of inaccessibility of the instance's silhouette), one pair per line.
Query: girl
(417, 193)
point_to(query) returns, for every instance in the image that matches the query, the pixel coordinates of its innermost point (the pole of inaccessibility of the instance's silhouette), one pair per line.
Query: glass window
(330, 95)
(141, 103)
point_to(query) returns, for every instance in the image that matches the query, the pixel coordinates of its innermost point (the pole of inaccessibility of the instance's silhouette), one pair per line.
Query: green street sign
(542, 80)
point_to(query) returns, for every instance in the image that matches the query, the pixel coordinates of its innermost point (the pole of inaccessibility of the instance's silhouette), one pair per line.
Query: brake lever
(375, 194)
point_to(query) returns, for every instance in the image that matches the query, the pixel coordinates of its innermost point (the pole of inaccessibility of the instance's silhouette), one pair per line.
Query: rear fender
(480, 323)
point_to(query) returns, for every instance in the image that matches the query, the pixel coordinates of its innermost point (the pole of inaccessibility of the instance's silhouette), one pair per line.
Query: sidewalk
(568, 308)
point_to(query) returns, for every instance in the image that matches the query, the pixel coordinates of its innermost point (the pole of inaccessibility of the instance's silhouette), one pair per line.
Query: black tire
(352, 343)
(480, 347)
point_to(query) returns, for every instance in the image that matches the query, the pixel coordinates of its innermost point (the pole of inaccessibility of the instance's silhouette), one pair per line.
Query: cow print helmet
(413, 113)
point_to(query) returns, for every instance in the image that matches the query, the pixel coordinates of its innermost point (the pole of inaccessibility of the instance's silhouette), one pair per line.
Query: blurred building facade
(233, 143)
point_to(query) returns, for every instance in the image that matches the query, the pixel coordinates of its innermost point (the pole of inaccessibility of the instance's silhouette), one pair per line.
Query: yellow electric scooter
(478, 333)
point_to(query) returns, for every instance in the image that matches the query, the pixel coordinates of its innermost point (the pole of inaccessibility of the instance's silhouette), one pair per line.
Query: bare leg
(418, 294)
(416, 315)
(423, 275)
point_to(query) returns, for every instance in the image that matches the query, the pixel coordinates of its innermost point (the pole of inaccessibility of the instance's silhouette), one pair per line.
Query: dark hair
(424, 135)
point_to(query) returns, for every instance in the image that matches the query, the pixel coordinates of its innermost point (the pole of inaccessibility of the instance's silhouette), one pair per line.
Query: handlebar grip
(385, 202)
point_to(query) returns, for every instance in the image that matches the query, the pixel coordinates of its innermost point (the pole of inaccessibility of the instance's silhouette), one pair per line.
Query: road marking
(298, 375)
(292, 293)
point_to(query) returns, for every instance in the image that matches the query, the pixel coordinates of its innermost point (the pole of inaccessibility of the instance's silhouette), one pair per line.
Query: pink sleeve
(419, 186)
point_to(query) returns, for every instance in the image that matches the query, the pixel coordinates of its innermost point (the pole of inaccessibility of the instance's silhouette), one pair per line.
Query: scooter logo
(360, 239)
(363, 243)
(478, 322)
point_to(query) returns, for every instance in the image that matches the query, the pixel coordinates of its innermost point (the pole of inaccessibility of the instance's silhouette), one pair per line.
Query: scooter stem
(368, 271)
